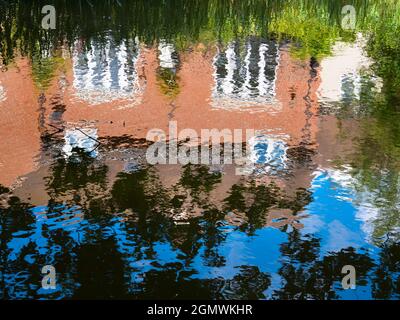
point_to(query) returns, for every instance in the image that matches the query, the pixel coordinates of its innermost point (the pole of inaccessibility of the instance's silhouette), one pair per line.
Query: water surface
(76, 191)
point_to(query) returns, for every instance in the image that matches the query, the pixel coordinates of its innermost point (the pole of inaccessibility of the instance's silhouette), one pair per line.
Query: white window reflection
(268, 153)
(3, 96)
(245, 75)
(107, 71)
(81, 138)
(342, 73)
(168, 56)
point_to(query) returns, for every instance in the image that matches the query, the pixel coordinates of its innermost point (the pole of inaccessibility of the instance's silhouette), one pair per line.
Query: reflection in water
(108, 71)
(245, 75)
(168, 56)
(322, 190)
(269, 151)
(84, 139)
(168, 68)
(345, 75)
(3, 95)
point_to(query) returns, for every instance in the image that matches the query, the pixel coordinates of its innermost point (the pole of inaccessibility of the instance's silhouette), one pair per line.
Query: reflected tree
(308, 275)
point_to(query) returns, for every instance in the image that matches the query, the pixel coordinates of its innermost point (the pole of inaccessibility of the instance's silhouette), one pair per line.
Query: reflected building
(3, 95)
(168, 56)
(115, 87)
(262, 73)
(84, 139)
(270, 152)
(260, 87)
(19, 123)
(252, 86)
(343, 74)
(245, 76)
(107, 72)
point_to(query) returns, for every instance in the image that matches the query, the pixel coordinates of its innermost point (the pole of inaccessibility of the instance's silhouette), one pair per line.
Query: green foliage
(168, 82)
(313, 24)
(44, 70)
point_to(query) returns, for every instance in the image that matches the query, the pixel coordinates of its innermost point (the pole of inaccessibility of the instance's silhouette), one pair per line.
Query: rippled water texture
(321, 190)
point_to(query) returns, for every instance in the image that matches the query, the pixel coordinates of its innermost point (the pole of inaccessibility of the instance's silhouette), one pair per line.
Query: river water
(321, 190)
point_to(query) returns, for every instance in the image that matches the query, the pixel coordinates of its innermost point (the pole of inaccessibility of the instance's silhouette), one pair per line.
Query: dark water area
(78, 193)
